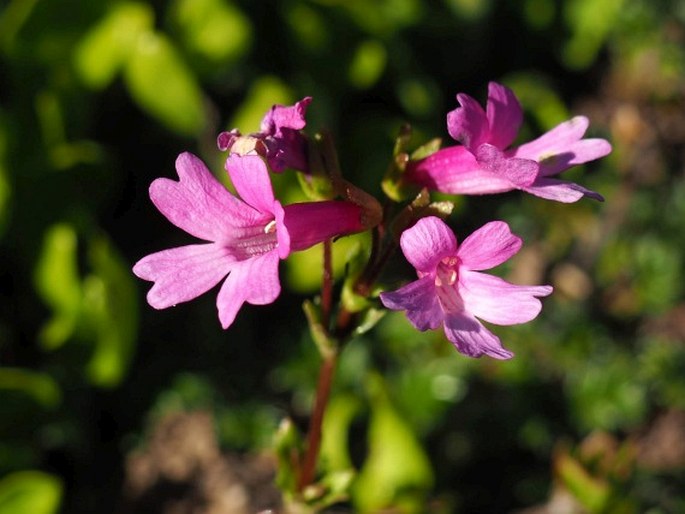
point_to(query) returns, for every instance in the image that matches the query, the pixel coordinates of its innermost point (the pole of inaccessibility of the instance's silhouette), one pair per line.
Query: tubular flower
(245, 236)
(451, 291)
(485, 164)
(279, 139)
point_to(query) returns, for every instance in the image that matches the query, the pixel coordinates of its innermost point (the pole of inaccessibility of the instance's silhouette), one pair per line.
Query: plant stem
(308, 470)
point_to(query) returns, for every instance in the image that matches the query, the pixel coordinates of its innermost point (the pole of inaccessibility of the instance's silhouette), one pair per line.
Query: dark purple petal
(560, 190)
(289, 117)
(471, 338)
(420, 302)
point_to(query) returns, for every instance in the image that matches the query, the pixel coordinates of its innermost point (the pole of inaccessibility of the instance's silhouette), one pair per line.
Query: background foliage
(97, 99)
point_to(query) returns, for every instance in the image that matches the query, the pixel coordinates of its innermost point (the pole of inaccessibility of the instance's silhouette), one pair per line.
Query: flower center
(447, 272)
(446, 276)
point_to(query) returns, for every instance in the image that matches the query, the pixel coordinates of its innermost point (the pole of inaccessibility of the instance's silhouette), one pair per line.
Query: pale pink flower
(485, 164)
(245, 236)
(451, 291)
(279, 139)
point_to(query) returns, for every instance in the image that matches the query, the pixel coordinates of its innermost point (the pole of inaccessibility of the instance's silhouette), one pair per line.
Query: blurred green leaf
(590, 22)
(213, 29)
(101, 308)
(336, 424)
(397, 472)
(305, 269)
(40, 386)
(106, 47)
(163, 85)
(594, 493)
(30, 492)
(367, 64)
(110, 303)
(58, 283)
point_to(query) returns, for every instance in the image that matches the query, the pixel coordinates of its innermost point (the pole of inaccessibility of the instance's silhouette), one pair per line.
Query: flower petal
(489, 246)
(494, 300)
(420, 301)
(183, 273)
(519, 172)
(310, 223)
(580, 152)
(253, 281)
(251, 180)
(471, 338)
(560, 190)
(468, 124)
(427, 242)
(554, 141)
(504, 115)
(455, 170)
(281, 116)
(198, 203)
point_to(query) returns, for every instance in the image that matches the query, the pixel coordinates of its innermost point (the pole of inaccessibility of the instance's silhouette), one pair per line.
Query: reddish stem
(323, 391)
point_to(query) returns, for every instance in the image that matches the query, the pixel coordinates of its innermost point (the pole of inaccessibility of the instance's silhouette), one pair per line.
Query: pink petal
(290, 117)
(251, 180)
(471, 338)
(253, 281)
(199, 204)
(183, 273)
(554, 141)
(580, 152)
(519, 172)
(311, 223)
(489, 246)
(420, 301)
(504, 115)
(560, 191)
(427, 242)
(455, 170)
(492, 299)
(468, 124)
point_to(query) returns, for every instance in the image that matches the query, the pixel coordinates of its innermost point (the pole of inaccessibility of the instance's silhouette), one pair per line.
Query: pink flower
(485, 163)
(451, 292)
(279, 139)
(245, 236)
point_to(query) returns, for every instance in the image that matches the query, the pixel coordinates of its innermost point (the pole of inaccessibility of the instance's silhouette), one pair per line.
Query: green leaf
(58, 283)
(112, 308)
(397, 472)
(367, 64)
(213, 29)
(40, 386)
(162, 85)
(104, 50)
(30, 492)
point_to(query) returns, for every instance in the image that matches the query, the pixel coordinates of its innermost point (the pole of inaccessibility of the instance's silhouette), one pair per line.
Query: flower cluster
(246, 236)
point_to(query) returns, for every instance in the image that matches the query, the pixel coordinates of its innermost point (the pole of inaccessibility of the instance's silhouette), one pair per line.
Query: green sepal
(326, 344)
(288, 446)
